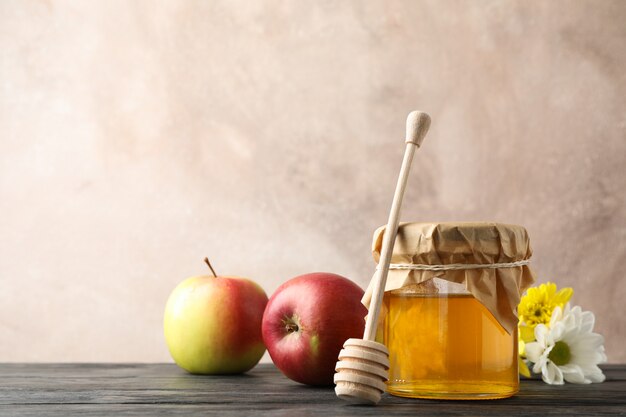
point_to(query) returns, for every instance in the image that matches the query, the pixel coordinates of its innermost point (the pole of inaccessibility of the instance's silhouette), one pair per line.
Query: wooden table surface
(164, 389)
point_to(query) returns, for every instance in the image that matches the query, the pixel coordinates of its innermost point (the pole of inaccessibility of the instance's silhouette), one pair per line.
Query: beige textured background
(138, 137)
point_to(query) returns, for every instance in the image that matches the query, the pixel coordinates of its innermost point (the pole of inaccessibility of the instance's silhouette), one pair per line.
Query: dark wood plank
(164, 389)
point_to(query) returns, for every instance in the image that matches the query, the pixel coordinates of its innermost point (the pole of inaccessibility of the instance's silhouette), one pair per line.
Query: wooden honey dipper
(363, 364)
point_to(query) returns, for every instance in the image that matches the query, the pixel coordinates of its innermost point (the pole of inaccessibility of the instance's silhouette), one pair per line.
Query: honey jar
(449, 310)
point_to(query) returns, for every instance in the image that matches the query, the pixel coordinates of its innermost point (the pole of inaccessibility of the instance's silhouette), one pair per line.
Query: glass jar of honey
(449, 309)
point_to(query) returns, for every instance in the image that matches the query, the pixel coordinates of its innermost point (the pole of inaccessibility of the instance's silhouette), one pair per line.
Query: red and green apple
(306, 322)
(212, 324)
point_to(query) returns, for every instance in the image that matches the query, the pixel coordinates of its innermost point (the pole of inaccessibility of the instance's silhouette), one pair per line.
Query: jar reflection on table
(443, 343)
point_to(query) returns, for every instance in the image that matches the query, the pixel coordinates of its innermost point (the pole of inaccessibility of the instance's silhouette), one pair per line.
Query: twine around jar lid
(490, 259)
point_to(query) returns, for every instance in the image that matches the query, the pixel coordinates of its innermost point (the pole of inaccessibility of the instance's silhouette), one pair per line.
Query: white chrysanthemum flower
(568, 349)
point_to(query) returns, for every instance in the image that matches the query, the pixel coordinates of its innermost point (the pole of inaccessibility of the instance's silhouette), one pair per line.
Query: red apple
(306, 322)
(213, 324)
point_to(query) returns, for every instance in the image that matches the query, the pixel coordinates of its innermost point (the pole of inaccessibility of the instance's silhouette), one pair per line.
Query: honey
(447, 346)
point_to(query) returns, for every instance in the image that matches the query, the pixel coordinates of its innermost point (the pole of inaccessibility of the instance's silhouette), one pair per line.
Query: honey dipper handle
(417, 124)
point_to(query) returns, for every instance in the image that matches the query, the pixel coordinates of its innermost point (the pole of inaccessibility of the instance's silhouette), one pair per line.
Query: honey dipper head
(361, 371)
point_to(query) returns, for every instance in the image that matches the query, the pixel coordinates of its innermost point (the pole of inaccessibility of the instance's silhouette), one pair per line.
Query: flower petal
(549, 373)
(587, 322)
(571, 318)
(557, 315)
(563, 295)
(534, 351)
(548, 377)
(523, 368)
(592, 372)
(541, 331)
(595, 375)
(527, 333)
(557, 378)
(585, 343)
(556, 332)
(574, 374)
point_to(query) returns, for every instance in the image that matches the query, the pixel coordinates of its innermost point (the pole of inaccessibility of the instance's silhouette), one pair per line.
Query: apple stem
(206, 260)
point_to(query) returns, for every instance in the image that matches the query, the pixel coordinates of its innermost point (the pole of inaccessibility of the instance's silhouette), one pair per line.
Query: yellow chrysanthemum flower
(537, 305)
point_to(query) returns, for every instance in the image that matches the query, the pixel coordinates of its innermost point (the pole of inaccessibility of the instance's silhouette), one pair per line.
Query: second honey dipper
(363, 363)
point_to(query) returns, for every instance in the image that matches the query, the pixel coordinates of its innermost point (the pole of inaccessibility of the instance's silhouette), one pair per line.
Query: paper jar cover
(499, 290)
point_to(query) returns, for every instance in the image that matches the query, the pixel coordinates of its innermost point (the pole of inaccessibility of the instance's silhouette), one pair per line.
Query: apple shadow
(295, 387)
(181, 379)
